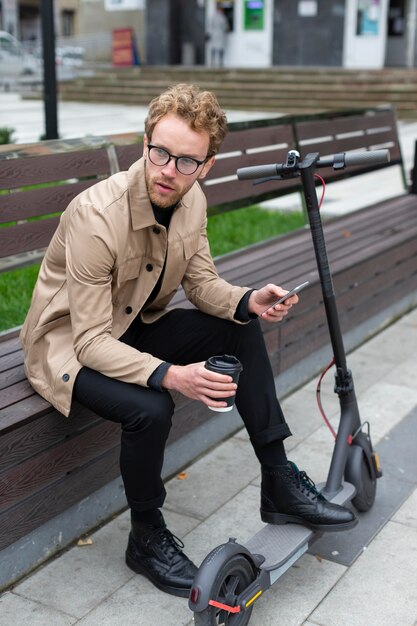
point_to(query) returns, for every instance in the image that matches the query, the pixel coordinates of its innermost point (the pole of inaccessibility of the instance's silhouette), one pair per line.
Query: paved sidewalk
(90, 585)
(76, 119)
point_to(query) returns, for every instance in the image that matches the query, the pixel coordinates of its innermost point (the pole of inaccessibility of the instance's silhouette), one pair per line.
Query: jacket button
(156, 230)
(128, 310)
(149, 267)
(65, 378)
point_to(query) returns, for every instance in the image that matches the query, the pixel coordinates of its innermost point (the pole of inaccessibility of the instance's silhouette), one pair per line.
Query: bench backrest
(39, 180)
(370, 130)
(42, 179)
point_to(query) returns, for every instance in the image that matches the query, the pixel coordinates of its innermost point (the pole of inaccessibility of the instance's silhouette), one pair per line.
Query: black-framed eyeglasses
(185, 165)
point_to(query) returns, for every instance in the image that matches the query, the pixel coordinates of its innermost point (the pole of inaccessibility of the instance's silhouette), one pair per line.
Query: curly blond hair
(200, 109)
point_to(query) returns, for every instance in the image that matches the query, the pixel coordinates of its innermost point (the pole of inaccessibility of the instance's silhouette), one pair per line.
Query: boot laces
(166, 538)
(306, 484)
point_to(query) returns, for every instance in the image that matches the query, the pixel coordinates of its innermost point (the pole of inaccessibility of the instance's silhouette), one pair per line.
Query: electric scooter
(234, 576)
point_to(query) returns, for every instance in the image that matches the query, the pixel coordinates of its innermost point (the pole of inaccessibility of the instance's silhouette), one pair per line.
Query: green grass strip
(16, 289)
(243, 227)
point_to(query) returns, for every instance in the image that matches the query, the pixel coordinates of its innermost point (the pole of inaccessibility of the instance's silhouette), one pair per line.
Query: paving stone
(380, 588)
(297, 593)
(405, 373)
(238, 518)
(385, 405)
(409, 319)
(392, 346)
(139, 603)
(367, 370)
(179, 524)
(213, 480)
(407, 514)
(18, 611)
(81, 578)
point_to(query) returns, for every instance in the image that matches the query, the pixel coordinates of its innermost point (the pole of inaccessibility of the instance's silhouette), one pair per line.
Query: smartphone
(287, 295)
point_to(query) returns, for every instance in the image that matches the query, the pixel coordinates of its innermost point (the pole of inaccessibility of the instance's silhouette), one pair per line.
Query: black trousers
(181, 337)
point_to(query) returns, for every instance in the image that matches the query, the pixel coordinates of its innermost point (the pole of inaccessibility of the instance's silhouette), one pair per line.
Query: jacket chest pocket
(129, 270)
(190, 245)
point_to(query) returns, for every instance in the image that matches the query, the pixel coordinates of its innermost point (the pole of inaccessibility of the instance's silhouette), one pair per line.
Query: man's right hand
(196, 382)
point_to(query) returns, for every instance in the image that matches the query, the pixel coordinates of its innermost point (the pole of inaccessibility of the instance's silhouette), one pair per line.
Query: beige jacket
(100, 267)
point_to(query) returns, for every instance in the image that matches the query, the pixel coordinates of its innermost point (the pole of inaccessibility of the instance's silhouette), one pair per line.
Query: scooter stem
(349, 418)
(307, 177)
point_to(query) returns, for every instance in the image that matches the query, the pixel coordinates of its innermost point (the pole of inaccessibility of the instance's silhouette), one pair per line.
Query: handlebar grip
(370, 157)
(257, 171)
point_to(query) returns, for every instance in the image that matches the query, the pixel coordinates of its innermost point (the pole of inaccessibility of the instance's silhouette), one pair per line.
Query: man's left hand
(262, 303)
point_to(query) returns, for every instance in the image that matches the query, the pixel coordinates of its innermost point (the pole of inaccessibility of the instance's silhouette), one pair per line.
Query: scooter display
(234, 576)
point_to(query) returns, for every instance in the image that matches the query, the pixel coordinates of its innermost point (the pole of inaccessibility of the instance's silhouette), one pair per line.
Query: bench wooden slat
(49, 466)
(49, 430)
(15, 393)
(37, 202)
(9, 345)
(43, 505)
(369, 268)
(127, 155)
(53, 167)
(28, 410)
(250, 139)
(396, 281)
(342, 124)
(12, 376)
(28, 236)
(11, 359)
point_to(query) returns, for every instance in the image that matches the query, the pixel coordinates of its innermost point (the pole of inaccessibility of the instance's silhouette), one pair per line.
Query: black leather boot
(157, 554)
(288, 495)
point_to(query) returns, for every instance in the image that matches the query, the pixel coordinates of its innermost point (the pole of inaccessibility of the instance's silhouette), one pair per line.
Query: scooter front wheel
(232, 578)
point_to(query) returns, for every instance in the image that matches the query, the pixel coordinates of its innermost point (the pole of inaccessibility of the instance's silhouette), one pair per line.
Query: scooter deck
(283, 545)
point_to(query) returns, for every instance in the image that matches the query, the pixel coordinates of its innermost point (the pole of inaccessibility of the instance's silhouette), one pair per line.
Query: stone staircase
(280, 89)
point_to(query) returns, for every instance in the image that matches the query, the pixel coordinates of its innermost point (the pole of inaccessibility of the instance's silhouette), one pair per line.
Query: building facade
(261, 33)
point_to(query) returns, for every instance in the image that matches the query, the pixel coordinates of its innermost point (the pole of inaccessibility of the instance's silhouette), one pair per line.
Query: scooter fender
(208, 570)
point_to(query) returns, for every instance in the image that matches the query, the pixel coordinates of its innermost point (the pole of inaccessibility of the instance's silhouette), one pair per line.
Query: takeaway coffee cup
(225, 364)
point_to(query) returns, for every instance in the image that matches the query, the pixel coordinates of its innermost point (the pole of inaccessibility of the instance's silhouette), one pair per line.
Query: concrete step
(271, 89)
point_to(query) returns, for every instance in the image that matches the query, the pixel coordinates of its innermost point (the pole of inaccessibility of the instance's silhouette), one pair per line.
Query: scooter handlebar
(347, 159)
(370, 157)
(339, 161)
(258, 171)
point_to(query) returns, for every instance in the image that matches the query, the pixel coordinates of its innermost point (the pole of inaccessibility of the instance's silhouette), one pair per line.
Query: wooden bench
(59, 477)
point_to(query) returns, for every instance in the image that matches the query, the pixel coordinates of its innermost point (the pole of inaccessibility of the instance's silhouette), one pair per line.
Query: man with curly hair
(99, 331)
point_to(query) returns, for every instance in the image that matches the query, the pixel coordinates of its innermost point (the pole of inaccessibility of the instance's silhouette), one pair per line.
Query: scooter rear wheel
(359, 473)
(233, 577)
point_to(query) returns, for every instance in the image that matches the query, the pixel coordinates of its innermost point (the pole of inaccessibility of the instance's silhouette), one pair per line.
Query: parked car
(14, 59)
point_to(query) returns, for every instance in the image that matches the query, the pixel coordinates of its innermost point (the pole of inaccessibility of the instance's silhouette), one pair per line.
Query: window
(396, 18)
(67, 23)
